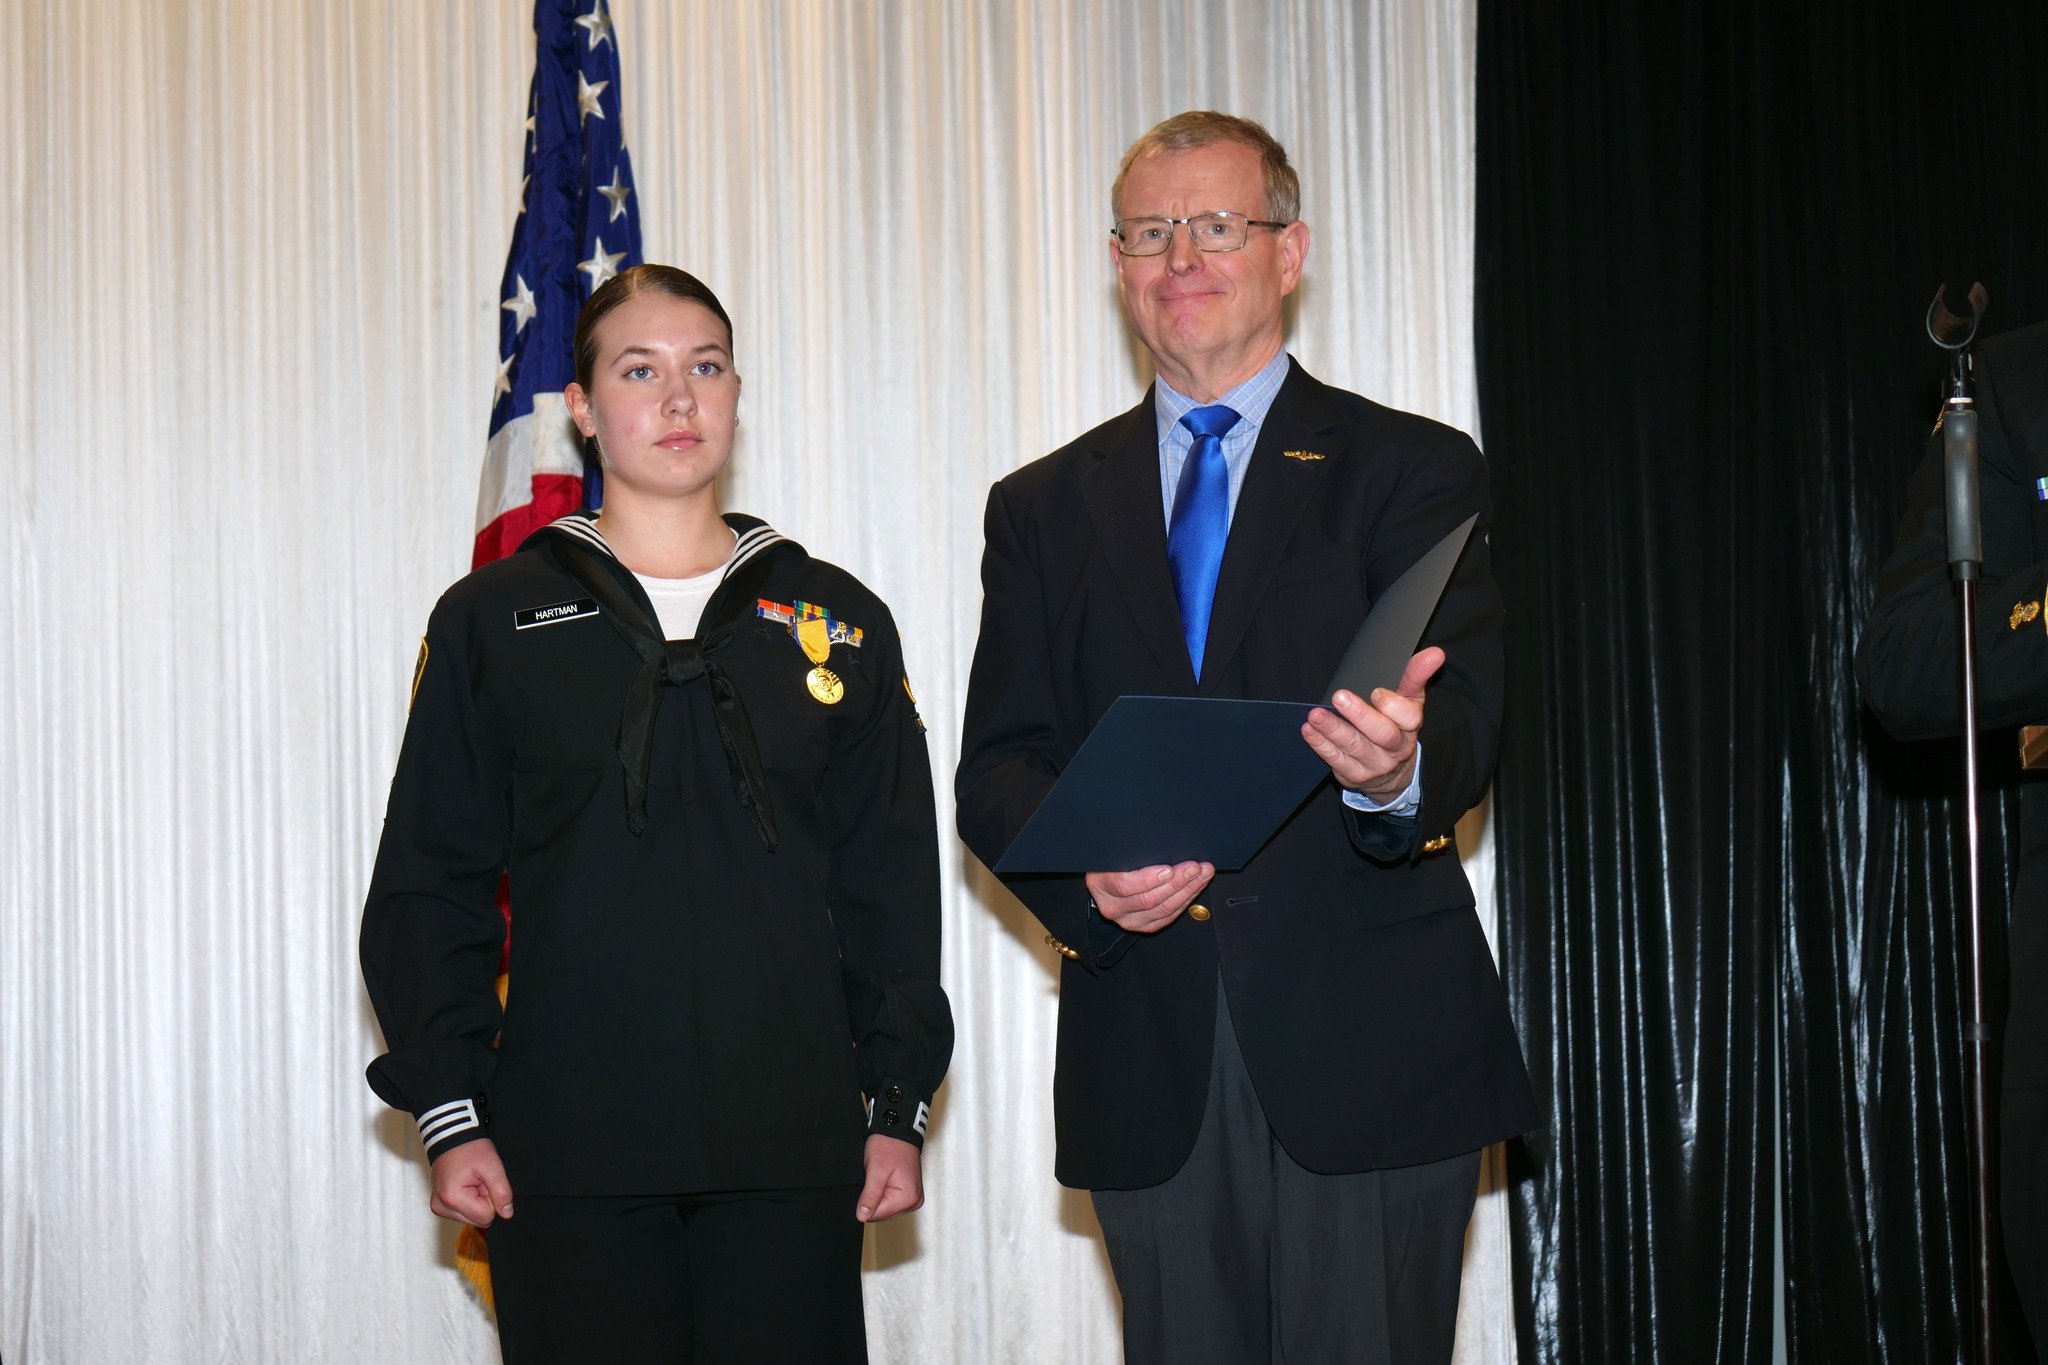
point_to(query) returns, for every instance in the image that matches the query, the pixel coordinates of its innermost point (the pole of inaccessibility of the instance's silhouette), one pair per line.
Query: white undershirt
(679, 602)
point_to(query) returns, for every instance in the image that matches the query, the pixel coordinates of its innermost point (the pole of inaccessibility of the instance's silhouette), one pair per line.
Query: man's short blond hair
(1204, 128)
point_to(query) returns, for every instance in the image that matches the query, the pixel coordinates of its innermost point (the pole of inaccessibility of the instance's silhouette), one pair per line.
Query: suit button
(1198, 911)
(891, 1118)
(895, 1095)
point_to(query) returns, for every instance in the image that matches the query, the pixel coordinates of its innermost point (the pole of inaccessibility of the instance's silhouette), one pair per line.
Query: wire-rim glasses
(1218, 231)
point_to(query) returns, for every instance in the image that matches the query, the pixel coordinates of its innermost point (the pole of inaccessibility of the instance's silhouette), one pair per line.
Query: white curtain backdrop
(249, 255)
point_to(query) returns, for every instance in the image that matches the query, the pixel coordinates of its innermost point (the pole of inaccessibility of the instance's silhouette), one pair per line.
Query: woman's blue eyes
(703, 369)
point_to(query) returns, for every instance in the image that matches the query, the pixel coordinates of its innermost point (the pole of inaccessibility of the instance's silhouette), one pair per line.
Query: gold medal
(815, 636)
(825, 685)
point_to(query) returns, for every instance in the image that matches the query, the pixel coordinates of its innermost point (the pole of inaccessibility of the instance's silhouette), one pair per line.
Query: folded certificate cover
(1380, 652)
(1209, 779)
(1168, 780)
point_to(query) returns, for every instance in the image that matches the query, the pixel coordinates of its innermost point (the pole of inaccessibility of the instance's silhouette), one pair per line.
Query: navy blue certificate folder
(1210, 779)
(1169, 779)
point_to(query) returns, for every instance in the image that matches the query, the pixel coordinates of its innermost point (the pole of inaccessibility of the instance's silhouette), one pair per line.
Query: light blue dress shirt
(1251, 400)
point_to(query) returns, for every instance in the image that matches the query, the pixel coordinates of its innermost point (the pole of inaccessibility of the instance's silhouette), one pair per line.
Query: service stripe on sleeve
(445, 1120)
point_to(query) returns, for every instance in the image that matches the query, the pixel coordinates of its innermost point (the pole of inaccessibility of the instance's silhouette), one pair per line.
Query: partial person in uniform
(694, 750)
(1277, 1081)
(1906, 664)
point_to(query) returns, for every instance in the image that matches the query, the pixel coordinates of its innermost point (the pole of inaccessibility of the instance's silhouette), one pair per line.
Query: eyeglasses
(1218, 231)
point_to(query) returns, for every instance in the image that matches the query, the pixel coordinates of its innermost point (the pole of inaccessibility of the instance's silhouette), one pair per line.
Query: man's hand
(470, 1185)
(895, 1179)
(1370, 746)
(1149, 899)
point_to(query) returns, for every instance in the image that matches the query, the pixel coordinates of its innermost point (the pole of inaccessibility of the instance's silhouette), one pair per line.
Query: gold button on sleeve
(1198, 911)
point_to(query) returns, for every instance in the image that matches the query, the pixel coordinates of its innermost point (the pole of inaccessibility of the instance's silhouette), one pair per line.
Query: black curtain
(1707, 236)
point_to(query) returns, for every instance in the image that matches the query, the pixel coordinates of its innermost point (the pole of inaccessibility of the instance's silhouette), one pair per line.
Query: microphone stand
(1965, 565)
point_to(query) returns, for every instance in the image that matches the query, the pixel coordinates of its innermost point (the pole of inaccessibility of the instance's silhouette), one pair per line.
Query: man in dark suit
(1906, 663)
(1276, 1081)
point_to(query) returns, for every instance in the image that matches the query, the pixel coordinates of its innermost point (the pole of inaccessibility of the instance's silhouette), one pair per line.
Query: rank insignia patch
(2023, 612)
(555, 614)
(916, 715)
(419, 670)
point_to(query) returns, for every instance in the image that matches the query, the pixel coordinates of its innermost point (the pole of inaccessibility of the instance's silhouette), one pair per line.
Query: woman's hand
(895, 1179)
(470, 1185)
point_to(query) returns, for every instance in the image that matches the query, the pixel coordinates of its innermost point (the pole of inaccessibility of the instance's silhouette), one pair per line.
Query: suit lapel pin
(2022, 612)
(1303, 455)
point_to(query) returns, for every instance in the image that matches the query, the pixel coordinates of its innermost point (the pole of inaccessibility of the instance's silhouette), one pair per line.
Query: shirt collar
(1252, 399)
(751, 536)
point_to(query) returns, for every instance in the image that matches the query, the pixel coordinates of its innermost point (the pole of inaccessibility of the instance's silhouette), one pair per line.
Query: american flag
(579, 224)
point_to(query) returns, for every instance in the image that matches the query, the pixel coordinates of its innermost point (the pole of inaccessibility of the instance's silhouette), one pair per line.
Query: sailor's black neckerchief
(582, 552)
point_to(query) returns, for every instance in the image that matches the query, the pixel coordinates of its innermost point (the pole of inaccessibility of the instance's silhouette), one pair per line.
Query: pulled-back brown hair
(641, 279)
(1204, 128)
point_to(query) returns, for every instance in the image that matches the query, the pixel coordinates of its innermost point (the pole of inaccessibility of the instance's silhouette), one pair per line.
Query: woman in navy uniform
(693, 750)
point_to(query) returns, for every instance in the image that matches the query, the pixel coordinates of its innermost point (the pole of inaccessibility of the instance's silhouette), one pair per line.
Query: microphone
(1959, 480)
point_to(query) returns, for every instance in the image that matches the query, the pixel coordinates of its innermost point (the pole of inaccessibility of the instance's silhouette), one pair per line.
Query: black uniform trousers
(758, 1276)
(1245, 1256)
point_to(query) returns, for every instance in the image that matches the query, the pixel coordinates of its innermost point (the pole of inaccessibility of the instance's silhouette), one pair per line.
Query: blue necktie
(1200, 525)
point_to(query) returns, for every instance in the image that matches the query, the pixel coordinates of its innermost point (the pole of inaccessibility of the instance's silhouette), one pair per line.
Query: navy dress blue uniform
(1370, 1025)
(1906, 664)
(726, 932)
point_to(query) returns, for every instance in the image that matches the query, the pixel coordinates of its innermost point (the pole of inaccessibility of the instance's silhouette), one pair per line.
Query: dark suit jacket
(1372, 1020)
(1906, 660)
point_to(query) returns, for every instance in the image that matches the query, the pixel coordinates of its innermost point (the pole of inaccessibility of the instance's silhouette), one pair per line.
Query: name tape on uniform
(555, 614)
